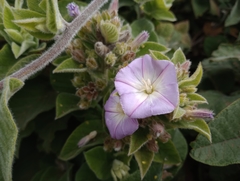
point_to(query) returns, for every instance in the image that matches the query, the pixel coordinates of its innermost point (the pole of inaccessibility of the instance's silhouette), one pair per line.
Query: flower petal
(118, 123)
(145, 105)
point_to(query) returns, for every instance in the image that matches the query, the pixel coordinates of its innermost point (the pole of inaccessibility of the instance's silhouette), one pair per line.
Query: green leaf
(51, 174)
(144, 49)
(59, 60)
(234, 16)
(224, 149)
(178, 56)
(32, 5)
(100, 162)
(200, 7)
(144, 159)
(15, 35)
(163, 15)
(8, 18)
(211, 43)
(138, 139)
(7, 60)
(20, 14)
(196, 98)
(8, 129)
(216, 104)
(39, 99)
(19, 50)
(178, 113)
(198, 125)
(158, 55)
(154, 173)
(141, 24)
(85, 174)
(226, 51)
(54, 18)
(22, 63)
(65, 104)
(71, 149)
(194, 79)
(167, 153)
(69, 65)
(32, 24)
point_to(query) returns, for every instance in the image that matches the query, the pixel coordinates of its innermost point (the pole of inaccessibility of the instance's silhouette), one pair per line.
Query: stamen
(148, 86)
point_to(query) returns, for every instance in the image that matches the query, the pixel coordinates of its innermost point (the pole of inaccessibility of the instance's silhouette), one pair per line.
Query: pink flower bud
(140, 39)
(87, 138)
(73, 10)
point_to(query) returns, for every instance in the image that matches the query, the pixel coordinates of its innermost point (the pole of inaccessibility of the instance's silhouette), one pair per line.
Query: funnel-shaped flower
(118, 123)
(147, 87)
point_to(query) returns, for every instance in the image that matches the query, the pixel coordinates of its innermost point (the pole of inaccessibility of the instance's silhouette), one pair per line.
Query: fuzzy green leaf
(196, 98)
(144, 159)
(234, 16)
(194, 79)
(54, 19)
(19, 50)
(167, 153)
(178, 113)
(141, 24)
(20, 14)
(178, 56)
(65, 104)
(69, 65)
(158, 55)
(154, 173)
(226, 51)
(163, 15)
(71, 149)
(200, 7)
(198, 125)
(137, 140)
(8, 129)
(15, 35)
(144, 49)
(30, 24)
(7, 60)
(41, 95)
(32, 5)
(85, 174)
(224, 149)
(8, 19)
(100, 162)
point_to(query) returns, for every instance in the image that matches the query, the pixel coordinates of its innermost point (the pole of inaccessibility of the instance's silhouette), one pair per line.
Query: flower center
(148, 86)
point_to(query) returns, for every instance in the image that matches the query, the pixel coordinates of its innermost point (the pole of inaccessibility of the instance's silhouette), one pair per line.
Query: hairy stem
(61, 43)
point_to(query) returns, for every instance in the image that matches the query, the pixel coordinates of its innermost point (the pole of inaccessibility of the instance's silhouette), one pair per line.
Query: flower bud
(109, 32)
(76, 43)
(200, 113)
(124, 36)
(120, 48)
(165, 137)
(117, 145)
(152, 145)
(140, 39)
(113, 8)
(87, 138)
(100, 84)
(128, 56)
(101, 49)
(91, 63)
(73, 10)
(78, 55)
(119, 170)
(84, 104)
(157, 129)
(110, 59)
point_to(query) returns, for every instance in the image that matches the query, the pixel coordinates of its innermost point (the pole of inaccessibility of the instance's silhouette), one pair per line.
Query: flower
(147, 87)
(73, 9)
(118, 123)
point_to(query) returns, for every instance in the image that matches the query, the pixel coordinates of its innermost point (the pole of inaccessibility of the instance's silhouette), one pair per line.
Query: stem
(61, 43)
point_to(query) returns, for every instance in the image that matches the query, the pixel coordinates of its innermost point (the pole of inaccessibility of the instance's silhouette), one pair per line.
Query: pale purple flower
(73, 9)
(147, 87)
(118, 123)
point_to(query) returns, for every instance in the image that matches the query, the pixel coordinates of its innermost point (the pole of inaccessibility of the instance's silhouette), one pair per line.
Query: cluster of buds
(102, 47)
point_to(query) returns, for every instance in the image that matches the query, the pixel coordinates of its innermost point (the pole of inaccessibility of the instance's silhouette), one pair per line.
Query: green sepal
(195, 78)
(144, 158)
(178, 57)
(138, 139)
(178, 113)
(15, 35)
(196, 98)
(167, 153)
(100, 162)
(158, 55)
(8, 128)
(65, 104)
(71, 149)
(69, 65)
(146, 47)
